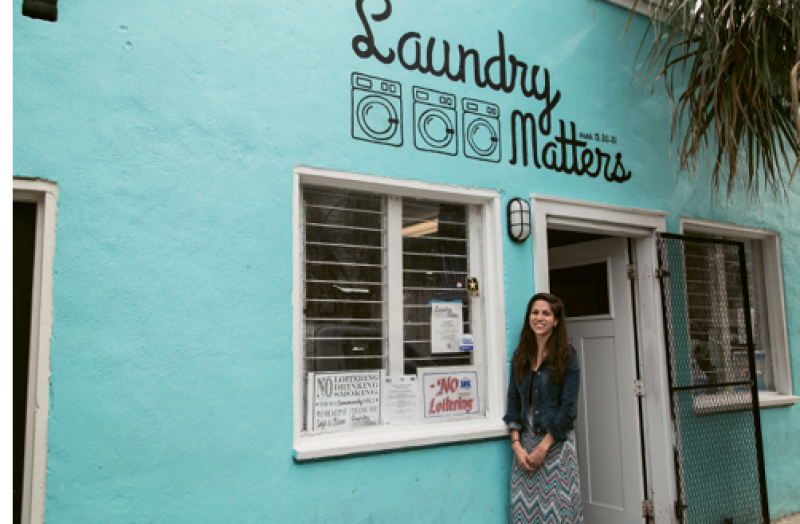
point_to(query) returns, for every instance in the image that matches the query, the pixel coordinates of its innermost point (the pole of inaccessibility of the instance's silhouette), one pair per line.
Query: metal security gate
(719, 460)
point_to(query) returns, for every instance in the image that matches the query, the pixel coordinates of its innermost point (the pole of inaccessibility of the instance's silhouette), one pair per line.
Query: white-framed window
(767, 306)
(34, 231)
(373, 257)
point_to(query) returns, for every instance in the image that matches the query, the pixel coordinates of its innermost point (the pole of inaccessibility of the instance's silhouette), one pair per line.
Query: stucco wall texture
(172, 130)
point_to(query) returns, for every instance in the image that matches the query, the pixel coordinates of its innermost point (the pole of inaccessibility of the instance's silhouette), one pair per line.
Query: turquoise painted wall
(172, 130)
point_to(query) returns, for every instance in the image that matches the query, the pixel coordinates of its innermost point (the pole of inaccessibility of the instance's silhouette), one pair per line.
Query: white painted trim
(710, 227)
(620, 221)
(773, 284)
(394, 186)
(387, 438)
(643, 7)
(45, 194)
(569, 224)
(770, 399)
(594, 217)
(307, 447)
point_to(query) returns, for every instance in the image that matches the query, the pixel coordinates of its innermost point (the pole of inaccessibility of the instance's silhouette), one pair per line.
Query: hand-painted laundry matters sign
(377, 114)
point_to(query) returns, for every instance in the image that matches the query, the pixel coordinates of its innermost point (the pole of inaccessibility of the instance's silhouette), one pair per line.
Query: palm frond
(731, 69)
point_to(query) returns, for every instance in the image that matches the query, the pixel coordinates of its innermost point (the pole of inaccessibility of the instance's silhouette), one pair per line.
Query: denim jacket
(557, 404)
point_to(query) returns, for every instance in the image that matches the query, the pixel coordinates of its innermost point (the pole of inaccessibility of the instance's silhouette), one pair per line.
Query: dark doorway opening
(24, 259)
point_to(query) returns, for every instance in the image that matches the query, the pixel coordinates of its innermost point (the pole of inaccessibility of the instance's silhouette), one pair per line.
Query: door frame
(643, 225)
(44, 194)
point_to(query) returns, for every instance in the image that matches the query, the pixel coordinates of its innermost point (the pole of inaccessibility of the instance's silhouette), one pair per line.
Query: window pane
(583, 289)
(435, 267)
(719, 266)
(344, 280)
(335, 234)
(435, 263)
(717, 316)
(332, 272)
(344, 291)
(423, 278)
(324, 196)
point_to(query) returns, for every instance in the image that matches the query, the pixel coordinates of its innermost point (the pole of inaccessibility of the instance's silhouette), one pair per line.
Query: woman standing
(541, 411)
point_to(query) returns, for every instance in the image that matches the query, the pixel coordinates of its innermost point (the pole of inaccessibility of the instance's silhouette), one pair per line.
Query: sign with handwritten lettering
(450, 392)
(343, 401)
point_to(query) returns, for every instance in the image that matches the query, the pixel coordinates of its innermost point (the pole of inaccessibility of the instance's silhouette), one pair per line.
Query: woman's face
(542, 319)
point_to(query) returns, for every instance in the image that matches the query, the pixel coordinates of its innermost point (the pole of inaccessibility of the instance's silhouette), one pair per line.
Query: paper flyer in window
(400, 400)
(450, 392)
(343, 401)
(446, 326)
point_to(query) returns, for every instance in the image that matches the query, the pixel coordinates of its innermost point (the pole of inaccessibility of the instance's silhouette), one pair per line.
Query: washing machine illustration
(435, 121)
(377, 114)
(481, 130)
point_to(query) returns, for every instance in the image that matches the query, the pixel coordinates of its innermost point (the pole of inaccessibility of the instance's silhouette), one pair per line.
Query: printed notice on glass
(450, 393)
(343, 401)
(446, 326)
(400, 400)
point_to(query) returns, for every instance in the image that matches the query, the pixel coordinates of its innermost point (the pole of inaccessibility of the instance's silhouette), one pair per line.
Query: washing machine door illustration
(435, 121)
(436, 128)
(377, 111)
(377, 118)
(481, 130)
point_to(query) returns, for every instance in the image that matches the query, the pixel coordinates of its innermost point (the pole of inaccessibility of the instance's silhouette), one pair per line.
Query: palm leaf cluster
(738, 114)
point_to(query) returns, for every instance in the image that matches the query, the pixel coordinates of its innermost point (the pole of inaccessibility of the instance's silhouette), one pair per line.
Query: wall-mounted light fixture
(41, 9)
(519, 219)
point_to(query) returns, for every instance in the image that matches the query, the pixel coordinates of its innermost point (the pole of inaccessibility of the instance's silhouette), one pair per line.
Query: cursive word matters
(566, 154)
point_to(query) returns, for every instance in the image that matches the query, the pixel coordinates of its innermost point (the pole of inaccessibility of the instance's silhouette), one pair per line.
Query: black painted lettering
(500, 60)
(551, 162)
(587, 158)
(514, 63)
(572, 143)
(364, 45)
(614, 177)
(526, 119)
(401, 53)
(602, 163)
(446, 53)
(545, 120)
(476, 64)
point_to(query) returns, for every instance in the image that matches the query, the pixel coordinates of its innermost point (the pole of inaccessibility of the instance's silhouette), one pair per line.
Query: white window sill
(387, 438)
(770, 399)
(710, 404)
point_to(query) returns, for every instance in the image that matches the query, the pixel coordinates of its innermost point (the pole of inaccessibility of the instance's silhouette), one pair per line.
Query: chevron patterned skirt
(552, 493)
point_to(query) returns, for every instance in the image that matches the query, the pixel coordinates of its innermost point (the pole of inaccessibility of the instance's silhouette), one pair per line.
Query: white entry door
(593, 277)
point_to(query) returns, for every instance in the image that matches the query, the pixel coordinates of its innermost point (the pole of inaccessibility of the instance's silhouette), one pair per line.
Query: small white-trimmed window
(398, 284)
(767, 307)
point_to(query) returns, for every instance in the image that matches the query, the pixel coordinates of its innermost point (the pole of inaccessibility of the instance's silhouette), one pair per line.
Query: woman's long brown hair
(557, 345)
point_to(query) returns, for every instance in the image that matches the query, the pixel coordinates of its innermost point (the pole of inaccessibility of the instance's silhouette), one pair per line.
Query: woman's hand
(523, 458)
(538, 455)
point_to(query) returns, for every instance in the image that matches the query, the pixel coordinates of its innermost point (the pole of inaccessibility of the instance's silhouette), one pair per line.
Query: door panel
(607, 428)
